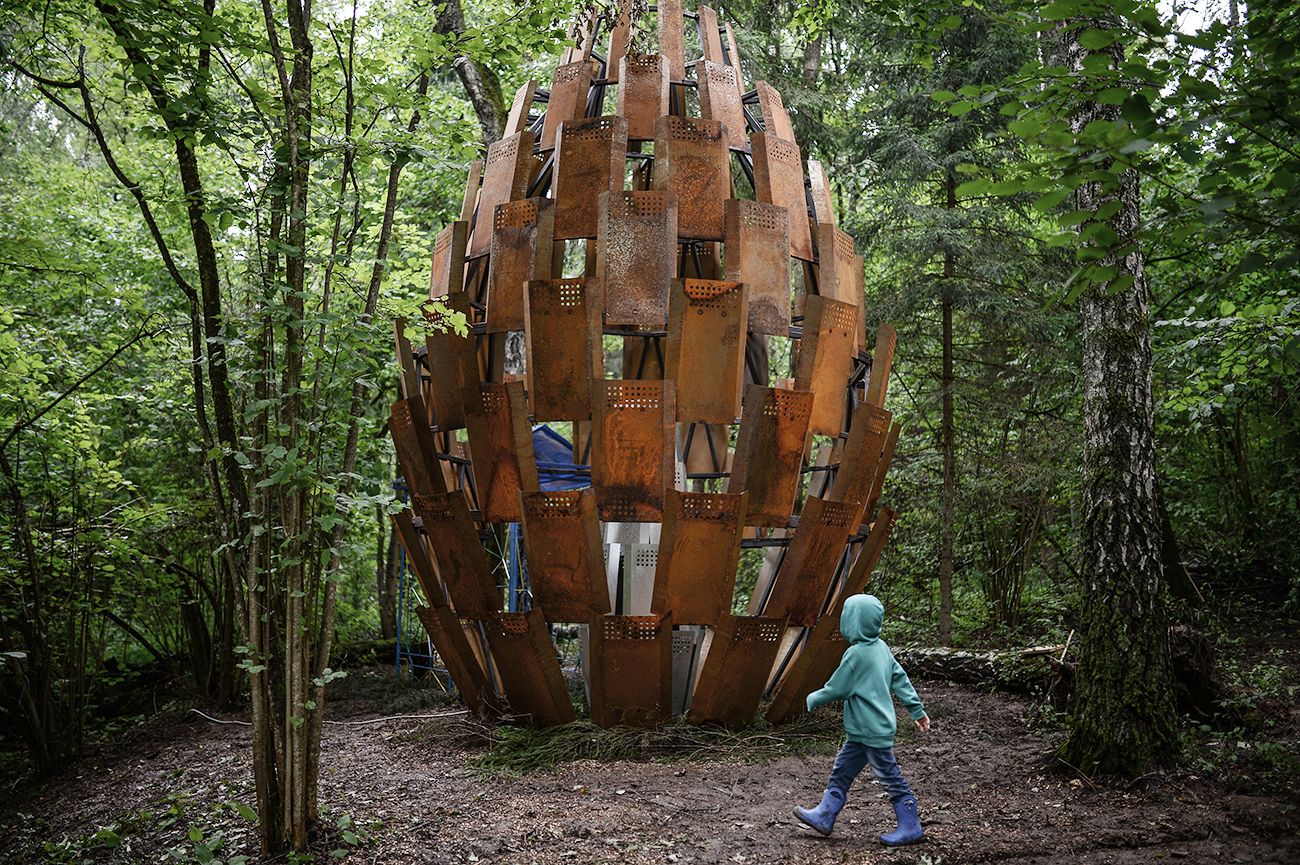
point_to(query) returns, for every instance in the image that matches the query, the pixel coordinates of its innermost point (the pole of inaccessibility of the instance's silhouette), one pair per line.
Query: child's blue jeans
(853, 756)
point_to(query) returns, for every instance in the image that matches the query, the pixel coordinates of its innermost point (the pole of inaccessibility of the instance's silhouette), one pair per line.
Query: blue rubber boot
(822, 818)
(909, 829)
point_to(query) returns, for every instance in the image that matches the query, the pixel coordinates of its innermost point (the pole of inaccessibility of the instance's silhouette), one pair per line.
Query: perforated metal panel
(568, 98)
(459, 554)
(820, 655)
(521, 251)
(505, 178)
(632, 450)
(517, 120)
(501, 448)
(529, 669)
(882, 361)
(631, 670)
(776, 121)
(639, 563)
(566, 568)
(778, 179)
(837, 261)
(758, 254)
(448, 273)
(695, 576)
(823, 203)
(861, 456)
(720, 100)
(589, 159)
(448, 637)
(706, 342)
(830, 329)
(642, 93)
(868, 556)
(636, 254)
(425, 572)
(735, 673)
(886, 457)
(693, 163)
(686, 648)
(619, 36)
(416, 453)
(810, 563)
(565, 351)
(769, 452)
(452, 362)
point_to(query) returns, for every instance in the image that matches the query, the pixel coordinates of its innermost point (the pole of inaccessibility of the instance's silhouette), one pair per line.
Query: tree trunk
(948, 434)
(481, 84)
(1124, 719)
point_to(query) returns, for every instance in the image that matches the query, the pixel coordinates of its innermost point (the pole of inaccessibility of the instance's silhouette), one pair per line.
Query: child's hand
(923, 723)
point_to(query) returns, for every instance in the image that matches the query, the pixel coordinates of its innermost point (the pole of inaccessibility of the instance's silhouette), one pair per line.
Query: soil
(403, 790)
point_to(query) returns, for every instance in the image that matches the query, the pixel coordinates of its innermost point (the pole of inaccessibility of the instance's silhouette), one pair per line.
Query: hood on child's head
(861, 619)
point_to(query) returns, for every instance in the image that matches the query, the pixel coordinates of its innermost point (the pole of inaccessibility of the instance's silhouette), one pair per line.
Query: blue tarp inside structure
(555, 468)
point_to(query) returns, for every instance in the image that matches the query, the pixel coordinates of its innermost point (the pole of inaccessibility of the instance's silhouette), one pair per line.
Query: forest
(1081, 219)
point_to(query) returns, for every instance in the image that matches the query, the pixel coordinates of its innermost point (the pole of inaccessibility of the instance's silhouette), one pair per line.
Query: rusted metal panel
(867, 558)
(886, 457)
(505, 179)
(448, 273)
(459, 554)
(425, 572)
(643, 93)
(836, 261)
(710, 36)
(809, 566)
(470, 198)
(706, 342)
(776, 121)
(565, 350)
(769, 452)
(823, 204)
(529, 669)
(413, 442)
(517, 121)
(589, 160)
(735, 672)
(521, 250)
(821, 654)
(632, 454)
(501, 447)
(462, 664)
(693, 163)
(406, 362)
(699, 549)
(778, 179)
(882, 361)
(566, 568)
(636, 251)
(734, 55)
(619, 37)
(631, 670)
(861, 456)
(758, 254)
(720, 100)
(568, 98)
(452, 359)
(672, 37)
(830, 328)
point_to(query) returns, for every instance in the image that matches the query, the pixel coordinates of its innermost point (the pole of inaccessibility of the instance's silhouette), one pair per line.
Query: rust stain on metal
(568, 98)
(720, 100)
(643, 94)
(462, 664)
(565, 349)
(501, 447)
(589, 160)
(710, 35)
(692, 162)
(453, 362)
(758, 254)
(470, 198)
(505, 179)
(632, 454)
(517, 121)
(699, 548)
(734, 53)
(672, 37)
(521, 250)
(882, 361)
(731, 684)
(769, 452)
(636, 248)
(631, 670)
(778, 179)
(416, 452)
(836, 262)
(566, 568)
(805, 576)
(776, 120)
(820, 656)
(448, 273)
(823, 203)
(459, 554)
(706, 340)
(529, 669)
(830, 330)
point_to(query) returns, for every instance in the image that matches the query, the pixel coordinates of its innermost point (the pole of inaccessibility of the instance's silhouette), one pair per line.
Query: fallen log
(1004, 668)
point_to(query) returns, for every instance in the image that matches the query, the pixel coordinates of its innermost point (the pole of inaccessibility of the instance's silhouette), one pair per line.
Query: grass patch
(525, 750)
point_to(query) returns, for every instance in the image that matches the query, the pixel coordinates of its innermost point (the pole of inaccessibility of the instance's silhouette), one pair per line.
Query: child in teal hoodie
(865, 680)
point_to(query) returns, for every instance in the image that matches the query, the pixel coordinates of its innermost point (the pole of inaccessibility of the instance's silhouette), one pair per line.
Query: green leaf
(196, 834)
(943, 96)
(1094, 39)
(1051, 200)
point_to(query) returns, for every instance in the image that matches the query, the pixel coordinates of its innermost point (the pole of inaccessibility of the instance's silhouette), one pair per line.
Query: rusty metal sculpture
(690, 455)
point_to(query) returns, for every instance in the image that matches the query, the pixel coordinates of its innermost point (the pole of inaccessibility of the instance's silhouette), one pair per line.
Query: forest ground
(403, 790)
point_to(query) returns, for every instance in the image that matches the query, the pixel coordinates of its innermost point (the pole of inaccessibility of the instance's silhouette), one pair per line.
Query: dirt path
(404, 786)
